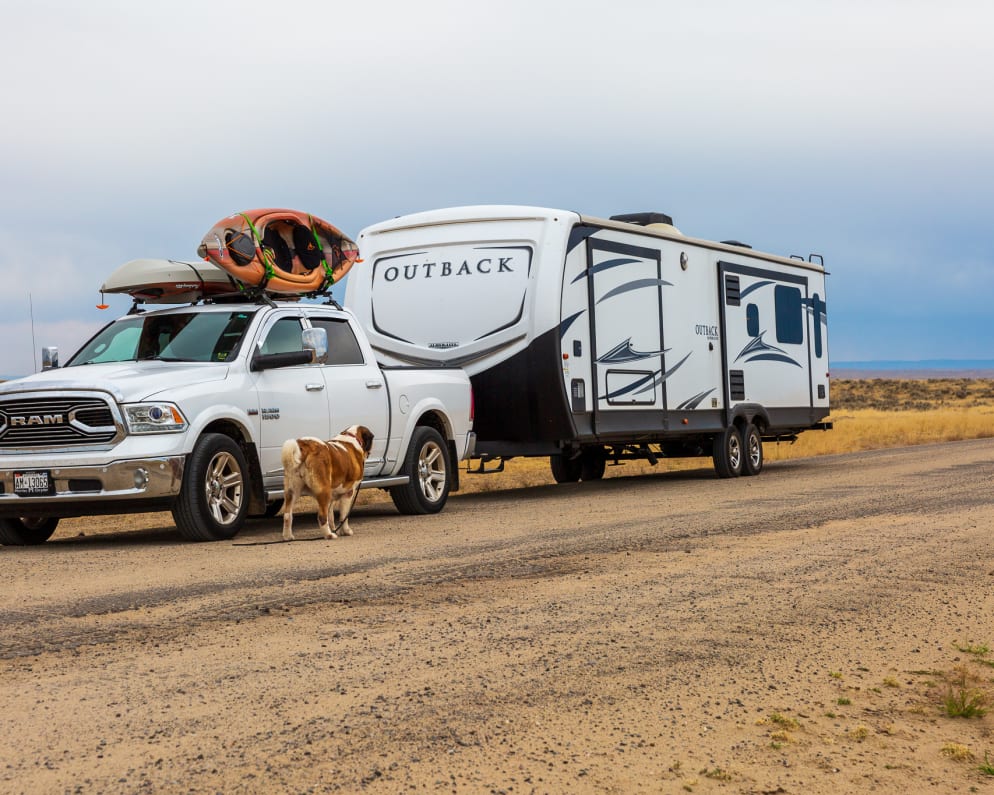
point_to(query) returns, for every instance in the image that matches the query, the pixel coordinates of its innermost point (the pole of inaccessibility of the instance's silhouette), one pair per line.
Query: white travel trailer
(590, 340)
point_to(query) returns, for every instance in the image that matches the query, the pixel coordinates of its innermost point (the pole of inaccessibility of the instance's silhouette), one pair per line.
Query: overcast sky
(861, 130)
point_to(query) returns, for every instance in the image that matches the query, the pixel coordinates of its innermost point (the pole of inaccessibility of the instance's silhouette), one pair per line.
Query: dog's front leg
(345, 508)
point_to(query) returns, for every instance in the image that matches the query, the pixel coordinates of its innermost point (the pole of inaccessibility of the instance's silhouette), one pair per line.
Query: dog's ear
(367, 438)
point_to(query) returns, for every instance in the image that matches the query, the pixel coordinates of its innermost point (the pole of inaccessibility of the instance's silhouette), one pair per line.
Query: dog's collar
(357, 442)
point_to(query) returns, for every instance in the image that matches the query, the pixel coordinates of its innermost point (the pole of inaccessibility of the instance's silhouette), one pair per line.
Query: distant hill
(921, 368)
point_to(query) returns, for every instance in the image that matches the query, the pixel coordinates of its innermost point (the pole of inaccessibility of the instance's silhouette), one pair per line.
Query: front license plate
(34, 484)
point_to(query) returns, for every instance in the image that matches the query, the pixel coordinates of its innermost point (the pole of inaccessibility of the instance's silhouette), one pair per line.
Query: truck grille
(55, 422)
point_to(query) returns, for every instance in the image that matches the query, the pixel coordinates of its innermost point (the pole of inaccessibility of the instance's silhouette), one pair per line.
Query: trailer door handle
(374, 384)
(314, 387)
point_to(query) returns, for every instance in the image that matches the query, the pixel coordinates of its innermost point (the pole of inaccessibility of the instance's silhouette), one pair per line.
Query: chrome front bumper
(136, 479)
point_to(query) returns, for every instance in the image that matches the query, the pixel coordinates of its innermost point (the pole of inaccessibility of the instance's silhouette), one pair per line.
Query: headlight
(154, 418)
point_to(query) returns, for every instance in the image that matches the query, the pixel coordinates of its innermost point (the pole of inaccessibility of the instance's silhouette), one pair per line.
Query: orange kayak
(284, 251)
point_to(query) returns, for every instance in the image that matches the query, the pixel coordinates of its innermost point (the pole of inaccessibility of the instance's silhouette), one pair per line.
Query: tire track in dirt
(641, 515)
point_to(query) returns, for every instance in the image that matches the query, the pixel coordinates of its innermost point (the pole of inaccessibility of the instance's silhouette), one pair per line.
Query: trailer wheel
(430, 473)
(593, 460)
(752, 462)
(214, 499)
(727, 453)
(566, 470)
(27, 530)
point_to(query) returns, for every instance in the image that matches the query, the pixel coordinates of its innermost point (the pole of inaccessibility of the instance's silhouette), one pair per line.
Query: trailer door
(626, 312)
(768, 339)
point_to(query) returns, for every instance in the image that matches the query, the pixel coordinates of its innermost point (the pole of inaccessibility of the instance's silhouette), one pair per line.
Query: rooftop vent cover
(643, 219)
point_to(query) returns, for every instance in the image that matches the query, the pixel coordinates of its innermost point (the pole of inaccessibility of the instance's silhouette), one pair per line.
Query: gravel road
(792, 633)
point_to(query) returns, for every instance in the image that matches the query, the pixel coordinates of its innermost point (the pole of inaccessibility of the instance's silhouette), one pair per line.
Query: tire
(214, 499)
(565, 470)
(593, 460)
(430, 471)
(27, 530)
(727, 453)
(752, 451)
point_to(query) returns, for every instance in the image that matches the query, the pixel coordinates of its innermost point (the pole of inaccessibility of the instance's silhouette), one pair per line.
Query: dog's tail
(290, 455)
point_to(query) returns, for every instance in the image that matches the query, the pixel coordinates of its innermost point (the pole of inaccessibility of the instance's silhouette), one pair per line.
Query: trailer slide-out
(590, 340)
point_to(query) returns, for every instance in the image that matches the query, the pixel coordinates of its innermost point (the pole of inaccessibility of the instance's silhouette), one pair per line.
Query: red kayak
(284, 251)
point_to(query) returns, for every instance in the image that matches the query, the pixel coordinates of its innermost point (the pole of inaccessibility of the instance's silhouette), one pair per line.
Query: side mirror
(49, 358)
(316, 340)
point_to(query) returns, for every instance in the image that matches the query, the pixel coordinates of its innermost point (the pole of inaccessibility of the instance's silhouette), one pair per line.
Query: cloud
(855, 130)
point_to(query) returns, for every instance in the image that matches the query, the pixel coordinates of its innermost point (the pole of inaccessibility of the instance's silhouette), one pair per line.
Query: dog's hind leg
(288, 500)
(326, 513)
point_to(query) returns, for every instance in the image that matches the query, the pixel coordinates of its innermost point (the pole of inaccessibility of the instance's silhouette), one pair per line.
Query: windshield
(176, 337)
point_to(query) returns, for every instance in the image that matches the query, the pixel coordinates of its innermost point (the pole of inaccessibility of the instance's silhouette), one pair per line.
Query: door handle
(314, 387)
(374, 384)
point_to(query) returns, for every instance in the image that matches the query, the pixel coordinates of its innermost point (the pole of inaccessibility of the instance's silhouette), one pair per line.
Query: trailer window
(752, 320)
(789, 312)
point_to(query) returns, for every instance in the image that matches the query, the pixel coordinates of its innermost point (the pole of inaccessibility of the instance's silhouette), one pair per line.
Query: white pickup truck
(186, 408)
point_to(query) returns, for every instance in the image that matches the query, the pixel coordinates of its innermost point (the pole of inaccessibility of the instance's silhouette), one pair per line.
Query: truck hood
(126, 381)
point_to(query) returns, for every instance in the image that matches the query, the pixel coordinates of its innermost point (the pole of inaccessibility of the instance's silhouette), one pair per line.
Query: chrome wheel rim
(755, 450)
(223, 488)
(431, 472)
(734, 452)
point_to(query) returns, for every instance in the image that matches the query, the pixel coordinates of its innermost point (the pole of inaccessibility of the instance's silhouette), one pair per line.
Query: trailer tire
(25, 531)
(593, 461)
(727, 453)
(752, 452)
(565, 470)
(214, 499)
(430, 471)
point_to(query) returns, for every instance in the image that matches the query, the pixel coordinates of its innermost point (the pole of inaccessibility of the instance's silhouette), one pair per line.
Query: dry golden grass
(868, 414)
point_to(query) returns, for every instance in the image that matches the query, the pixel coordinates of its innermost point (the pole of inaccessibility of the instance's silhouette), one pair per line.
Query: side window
(752, 320)
(343, 348)
(790, 317)
(283, 337)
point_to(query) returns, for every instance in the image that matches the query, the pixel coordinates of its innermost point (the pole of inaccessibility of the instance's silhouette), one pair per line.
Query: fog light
(141, 478)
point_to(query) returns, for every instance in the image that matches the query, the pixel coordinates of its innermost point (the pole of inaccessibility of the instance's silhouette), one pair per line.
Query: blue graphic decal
(605, 265)
(694, 402)
(753, 287)
(638, 284)
(760, 350)
(773, 357)
(567, 322)
(624, 352)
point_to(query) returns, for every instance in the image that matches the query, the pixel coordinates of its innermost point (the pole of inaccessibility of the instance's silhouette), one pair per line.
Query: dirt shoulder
(792, 633)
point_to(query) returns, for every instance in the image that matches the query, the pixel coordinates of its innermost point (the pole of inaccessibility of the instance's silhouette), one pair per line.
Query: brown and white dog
(329, 471)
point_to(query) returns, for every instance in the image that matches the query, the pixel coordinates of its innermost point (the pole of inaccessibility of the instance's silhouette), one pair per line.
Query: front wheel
(214, 499)
(727, 453)
(430, 471)
(753, 461)
(27, 530)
